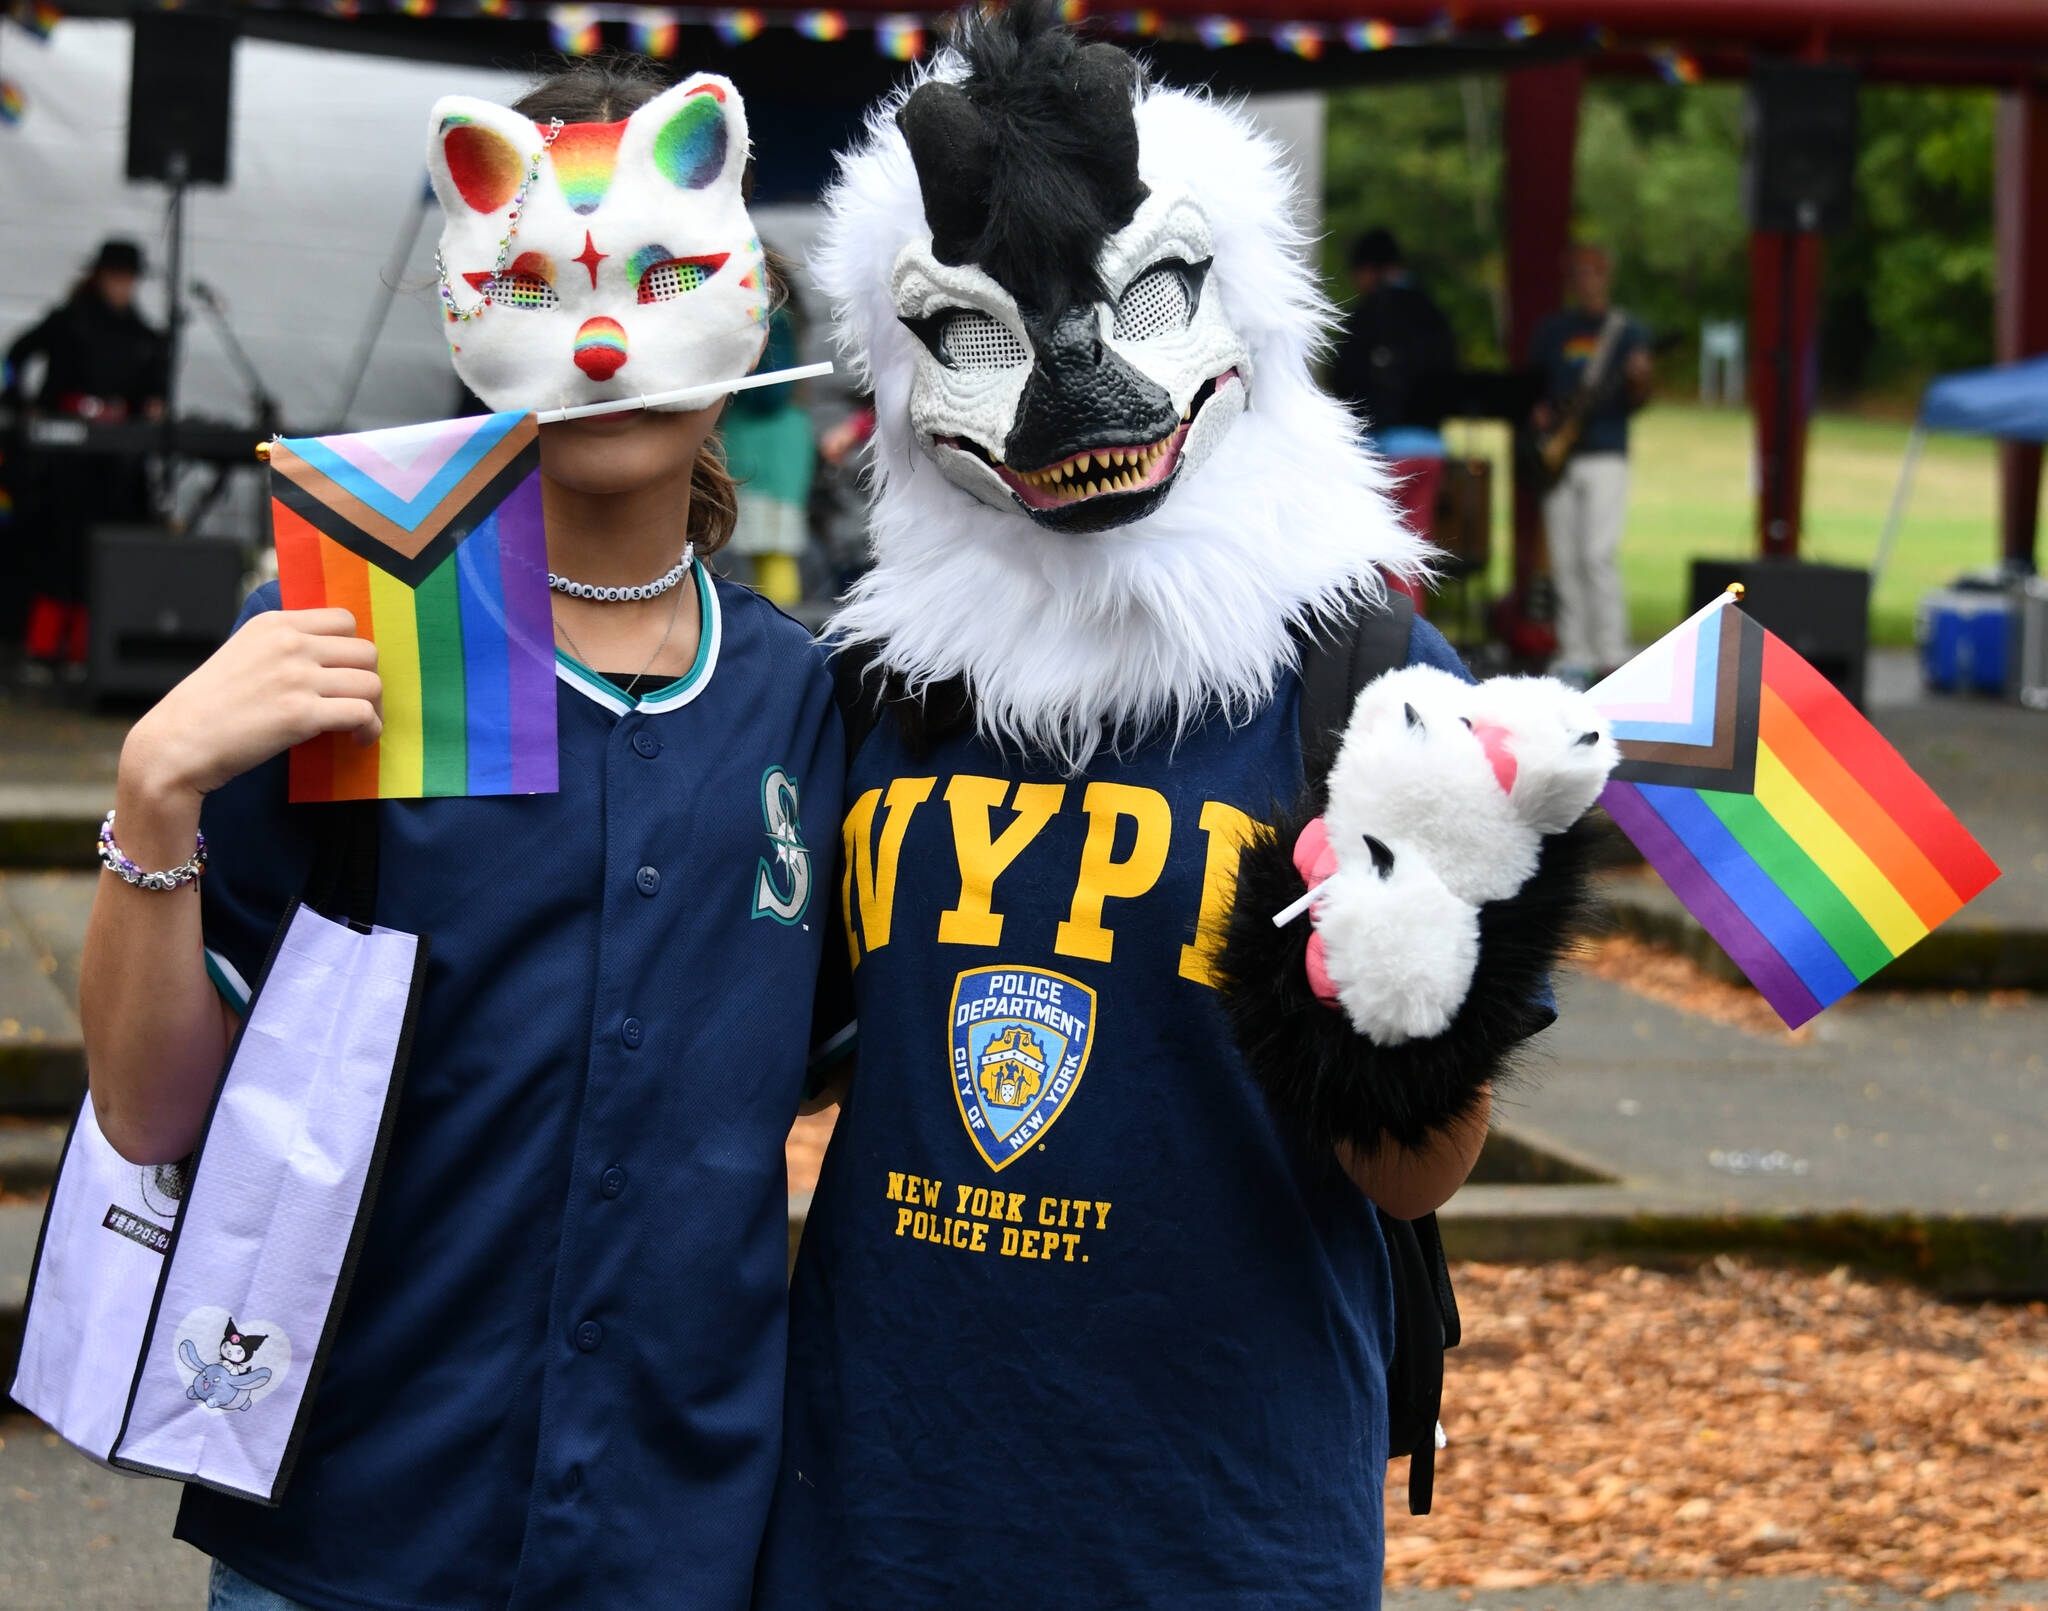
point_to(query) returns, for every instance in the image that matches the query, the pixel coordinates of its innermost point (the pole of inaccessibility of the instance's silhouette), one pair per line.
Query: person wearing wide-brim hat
(101, 363)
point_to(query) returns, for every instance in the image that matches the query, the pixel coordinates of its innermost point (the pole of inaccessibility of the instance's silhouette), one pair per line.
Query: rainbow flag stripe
(431, 535)
(1780, 817)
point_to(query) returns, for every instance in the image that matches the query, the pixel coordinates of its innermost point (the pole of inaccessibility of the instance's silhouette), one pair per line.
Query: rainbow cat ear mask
(597, 260)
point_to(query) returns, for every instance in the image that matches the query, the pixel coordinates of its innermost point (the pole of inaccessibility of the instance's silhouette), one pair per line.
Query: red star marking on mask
(591, 258)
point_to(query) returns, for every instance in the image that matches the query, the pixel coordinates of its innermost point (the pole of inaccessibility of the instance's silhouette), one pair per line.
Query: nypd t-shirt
(1073, 1324)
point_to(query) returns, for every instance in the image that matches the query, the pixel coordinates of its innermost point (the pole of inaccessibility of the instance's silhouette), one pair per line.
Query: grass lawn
(1691, 495)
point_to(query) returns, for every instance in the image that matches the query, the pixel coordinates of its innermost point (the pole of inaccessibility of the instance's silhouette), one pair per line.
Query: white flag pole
(710, 392)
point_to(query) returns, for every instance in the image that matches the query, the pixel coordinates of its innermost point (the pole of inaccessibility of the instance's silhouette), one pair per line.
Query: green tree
(1908, 288)
(1401, 156)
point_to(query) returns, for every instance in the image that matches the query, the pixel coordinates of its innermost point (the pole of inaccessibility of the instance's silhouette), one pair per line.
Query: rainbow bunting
(1303, 39)
(1526, 26)
(1676, 66)
(1220, 33)
(1370, 34)
(1144, 24)
(574, 30)
(900, 36)
(13, 104)
(1776, 813)
(656, 33)
(431, 536)
(737, 27)
(826, 27)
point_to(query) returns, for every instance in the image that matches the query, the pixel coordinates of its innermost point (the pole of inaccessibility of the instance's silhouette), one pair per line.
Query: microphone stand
(260, 400)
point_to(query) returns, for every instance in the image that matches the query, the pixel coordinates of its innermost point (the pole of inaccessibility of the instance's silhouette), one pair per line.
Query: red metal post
(1784, 320)
(2021, 218)
(1541, 134)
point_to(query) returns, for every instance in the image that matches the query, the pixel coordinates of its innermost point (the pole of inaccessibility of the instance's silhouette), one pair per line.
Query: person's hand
(839, 441)
(286, 676)
(1638, 372)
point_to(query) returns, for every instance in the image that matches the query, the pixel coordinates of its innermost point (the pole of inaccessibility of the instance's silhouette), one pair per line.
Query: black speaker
(181, 92)
(160, 605)
(1821, 611)
(1799, 164)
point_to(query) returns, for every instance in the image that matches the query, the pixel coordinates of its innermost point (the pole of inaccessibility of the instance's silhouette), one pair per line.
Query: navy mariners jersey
(1072, 1324)
(558, 1379)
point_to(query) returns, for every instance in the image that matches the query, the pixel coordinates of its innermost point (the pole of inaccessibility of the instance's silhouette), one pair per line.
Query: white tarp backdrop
(328, 168)
(328, 165)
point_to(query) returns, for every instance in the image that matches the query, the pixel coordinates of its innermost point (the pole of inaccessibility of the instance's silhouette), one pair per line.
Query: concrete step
(1968, 952)
(42, 933)
(20, 1225)
(29, 1151)
(52, 824)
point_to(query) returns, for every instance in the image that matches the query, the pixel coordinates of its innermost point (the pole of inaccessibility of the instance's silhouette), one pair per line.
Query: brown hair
(604, 89)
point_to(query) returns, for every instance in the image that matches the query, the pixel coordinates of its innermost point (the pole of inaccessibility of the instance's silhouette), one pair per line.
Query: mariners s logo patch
(1020, 1041)
(782, 884)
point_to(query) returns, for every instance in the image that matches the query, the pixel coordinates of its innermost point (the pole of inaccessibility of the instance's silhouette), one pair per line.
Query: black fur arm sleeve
(1331, 1083)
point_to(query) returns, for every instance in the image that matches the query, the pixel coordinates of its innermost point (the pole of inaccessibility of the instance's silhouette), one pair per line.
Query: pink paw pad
(1493, 739)
(1316, 861)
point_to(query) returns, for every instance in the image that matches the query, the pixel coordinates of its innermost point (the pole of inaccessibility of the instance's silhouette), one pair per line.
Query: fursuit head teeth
(1100, 470)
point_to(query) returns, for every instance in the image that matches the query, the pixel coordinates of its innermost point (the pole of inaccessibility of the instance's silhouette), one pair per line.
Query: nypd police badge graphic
(1020, 1041)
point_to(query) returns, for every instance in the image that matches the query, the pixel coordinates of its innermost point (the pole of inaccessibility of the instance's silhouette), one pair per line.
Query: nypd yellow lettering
(871, 871)
(982, 858)
(1226, 828)
(1103, 877)
(976, 1208)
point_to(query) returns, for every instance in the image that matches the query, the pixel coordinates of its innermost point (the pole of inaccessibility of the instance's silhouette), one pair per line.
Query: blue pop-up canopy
(2006, 400)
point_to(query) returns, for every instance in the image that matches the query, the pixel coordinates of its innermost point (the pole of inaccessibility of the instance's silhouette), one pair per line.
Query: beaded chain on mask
(505, 240)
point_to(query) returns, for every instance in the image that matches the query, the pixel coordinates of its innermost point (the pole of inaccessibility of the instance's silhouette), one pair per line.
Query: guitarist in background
(1596, 370)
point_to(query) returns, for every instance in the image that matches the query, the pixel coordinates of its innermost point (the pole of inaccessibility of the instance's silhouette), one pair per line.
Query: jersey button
(646, 744)
(588, 1336)
(648, 880)
(633, 1032)
(613, 1181)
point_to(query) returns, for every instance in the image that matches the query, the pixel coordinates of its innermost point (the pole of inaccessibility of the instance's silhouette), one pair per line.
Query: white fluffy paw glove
(1439, 801)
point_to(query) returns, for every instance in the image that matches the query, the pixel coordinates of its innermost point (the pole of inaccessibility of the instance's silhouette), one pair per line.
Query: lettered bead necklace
(626, 595)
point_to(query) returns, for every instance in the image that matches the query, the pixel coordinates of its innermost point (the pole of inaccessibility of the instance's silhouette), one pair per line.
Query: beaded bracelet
(115, 862)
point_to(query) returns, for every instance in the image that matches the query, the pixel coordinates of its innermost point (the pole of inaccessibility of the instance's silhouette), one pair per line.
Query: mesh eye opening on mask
(971, 339)
(1153, 304)
(520, 291)
(670, 279)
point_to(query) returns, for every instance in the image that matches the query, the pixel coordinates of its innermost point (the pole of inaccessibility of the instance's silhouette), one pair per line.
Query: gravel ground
(1732, 1421)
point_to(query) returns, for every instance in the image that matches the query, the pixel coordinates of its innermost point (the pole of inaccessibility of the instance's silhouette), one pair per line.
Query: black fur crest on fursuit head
(1328, 1082)
(1031, 164)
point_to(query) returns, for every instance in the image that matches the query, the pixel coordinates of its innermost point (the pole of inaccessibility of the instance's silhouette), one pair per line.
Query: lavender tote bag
(179, 1316)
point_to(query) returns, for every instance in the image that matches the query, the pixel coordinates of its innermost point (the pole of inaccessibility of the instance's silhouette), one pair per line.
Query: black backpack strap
(1339, 658)
(343, 882)
(856, 689)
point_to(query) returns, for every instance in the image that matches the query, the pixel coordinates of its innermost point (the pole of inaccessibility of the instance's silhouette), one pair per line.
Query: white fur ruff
(1067, 641)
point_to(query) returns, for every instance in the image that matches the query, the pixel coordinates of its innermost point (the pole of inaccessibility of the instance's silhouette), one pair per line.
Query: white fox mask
(625, 265)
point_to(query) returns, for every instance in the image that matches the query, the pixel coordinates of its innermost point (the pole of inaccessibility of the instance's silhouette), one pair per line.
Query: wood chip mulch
(1729, 1421)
